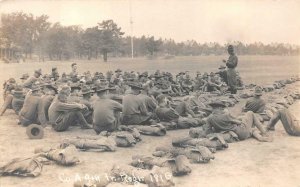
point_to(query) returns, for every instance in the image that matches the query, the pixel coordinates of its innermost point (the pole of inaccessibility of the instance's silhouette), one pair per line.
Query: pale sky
(202, 20)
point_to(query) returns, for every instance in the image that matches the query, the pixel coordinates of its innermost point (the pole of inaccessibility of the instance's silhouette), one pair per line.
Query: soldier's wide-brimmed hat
(39, 71)
(118, 70)
(100, 88)
(35, 87)
(258, 91)
(47, 82)
(64, 89)
(135, 85)
(50, 85)
(75, 86)
(25, 76)
(205, 74)
(217, 104)
(73, 64)
(145, 74)
(86, 90)
(54, 68)
(12, 80)
(158, 76)
(168, 74)
(222, 67)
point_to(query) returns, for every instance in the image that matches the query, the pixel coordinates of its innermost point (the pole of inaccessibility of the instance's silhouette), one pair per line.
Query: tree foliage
(30, 34)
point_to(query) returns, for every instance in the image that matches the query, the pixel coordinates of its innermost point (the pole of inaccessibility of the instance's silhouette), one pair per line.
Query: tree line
(27, 35)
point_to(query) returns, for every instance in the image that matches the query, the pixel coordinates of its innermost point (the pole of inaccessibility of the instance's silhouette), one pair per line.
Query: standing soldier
(231, 64)
(74, 74)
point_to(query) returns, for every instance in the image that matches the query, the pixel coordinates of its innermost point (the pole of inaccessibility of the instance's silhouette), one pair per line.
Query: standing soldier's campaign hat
(230, 47)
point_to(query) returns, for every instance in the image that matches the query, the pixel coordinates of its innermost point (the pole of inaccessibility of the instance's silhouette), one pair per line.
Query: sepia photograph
(150, 93)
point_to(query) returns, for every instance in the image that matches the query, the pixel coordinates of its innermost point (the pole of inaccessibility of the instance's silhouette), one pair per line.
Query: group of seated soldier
(106, 102)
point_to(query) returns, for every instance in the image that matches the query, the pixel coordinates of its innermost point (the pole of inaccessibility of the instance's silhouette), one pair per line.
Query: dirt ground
(244, 164)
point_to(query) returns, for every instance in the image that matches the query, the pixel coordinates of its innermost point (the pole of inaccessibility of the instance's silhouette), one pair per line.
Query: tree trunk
(105, 56)
(89, 54)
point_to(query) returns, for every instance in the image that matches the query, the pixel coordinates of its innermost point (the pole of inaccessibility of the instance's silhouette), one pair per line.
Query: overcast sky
(202, 20)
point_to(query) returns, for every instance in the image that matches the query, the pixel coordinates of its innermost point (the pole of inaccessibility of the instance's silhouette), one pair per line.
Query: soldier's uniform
(231, 72)
(106, 115)
(33, 80)
(134, 109)
(86, 100)
(29, 112)
(18, 100)
(63, 114)
(289, 122)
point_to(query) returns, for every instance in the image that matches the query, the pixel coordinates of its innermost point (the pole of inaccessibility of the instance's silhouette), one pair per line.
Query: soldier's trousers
(249, 121)
(136, 119)
(69, 119)
(232, 80)
(109, 127)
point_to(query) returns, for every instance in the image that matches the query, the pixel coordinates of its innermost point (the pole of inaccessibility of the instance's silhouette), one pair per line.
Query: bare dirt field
(244, 164)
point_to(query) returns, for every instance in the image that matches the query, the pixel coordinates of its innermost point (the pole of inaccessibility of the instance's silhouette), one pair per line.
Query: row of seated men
(103, 110)
(159, 82)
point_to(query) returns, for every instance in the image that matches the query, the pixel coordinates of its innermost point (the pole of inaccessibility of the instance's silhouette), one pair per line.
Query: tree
(91, 41)
(22, 30)
(110, 37)
(153, 45)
